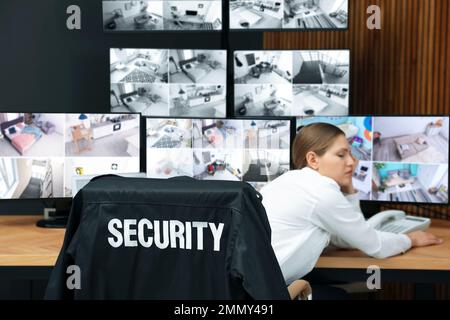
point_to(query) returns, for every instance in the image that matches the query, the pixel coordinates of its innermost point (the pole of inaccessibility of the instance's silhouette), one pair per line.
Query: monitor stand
(58, 219)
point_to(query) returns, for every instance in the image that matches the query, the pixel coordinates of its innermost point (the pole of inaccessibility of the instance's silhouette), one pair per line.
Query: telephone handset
(396, 221)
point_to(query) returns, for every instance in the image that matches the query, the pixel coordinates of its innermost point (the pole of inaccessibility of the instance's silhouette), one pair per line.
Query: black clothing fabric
(188, 263)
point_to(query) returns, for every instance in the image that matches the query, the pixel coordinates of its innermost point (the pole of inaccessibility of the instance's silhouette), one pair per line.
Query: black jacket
(168, 239)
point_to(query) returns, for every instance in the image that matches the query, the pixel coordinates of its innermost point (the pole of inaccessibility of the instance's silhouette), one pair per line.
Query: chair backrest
(169, 239)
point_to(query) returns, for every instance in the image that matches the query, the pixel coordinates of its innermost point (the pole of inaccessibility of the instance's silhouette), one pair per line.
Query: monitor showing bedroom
(291, 83)
(256, 151)
(162, 15)
(40, 153)
(163, 82)
(401, 159)
(289, 14)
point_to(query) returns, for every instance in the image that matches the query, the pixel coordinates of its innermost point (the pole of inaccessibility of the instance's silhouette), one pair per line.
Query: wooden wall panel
(402, 69)
(398, 70)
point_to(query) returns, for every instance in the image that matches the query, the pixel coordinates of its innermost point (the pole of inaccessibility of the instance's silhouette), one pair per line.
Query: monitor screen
(291, 83)
(163, 82)
(191, 13)
(256, 151)
(162, 15)
(41, 153)
(401, 159)
(295, 15)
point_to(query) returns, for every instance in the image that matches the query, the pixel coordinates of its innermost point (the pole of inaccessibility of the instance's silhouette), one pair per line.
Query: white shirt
(307, 211)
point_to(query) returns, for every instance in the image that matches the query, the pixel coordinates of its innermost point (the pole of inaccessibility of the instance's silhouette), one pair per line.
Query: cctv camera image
(42, 153)
(289, 14)
(291, 83)
(400, 159)
(255, 151)
(162, 15)
(162, 82)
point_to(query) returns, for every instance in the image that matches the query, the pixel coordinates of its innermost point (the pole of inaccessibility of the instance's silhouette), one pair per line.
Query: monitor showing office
(162, 15)
(256, 151)
(288, 14)
(292, 83)
(40, 153)
(401, 159)
(163, 82)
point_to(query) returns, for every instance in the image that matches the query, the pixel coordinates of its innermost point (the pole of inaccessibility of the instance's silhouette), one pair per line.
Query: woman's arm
(348, 228)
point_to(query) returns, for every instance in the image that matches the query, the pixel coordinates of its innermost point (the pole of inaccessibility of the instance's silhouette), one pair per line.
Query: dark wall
(47, 68)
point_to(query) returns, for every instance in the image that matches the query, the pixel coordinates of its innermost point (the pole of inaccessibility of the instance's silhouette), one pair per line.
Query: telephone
(396, 221)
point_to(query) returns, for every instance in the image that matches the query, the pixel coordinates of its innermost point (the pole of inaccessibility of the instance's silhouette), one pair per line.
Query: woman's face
(338, 162)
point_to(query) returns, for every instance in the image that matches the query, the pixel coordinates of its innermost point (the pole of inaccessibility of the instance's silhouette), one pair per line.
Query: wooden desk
(427, 258)
(422, 266)
(23, 244)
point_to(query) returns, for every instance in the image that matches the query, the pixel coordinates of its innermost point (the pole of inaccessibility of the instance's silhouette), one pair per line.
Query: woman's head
(324, 148)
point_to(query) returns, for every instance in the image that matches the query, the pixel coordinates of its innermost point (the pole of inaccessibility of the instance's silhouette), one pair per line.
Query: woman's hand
(423, 239)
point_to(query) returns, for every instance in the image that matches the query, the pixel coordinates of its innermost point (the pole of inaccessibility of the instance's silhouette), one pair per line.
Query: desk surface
(24, 244)
(427, 258)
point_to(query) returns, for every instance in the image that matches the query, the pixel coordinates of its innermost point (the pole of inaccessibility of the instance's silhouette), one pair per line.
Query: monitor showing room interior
(162, 15)
(40, 153)
(401, 159)
(298, 15)
(255, 151)
(163, 82)
(291, 83)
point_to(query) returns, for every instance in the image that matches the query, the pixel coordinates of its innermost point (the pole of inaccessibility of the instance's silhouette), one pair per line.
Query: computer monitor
(298, 15)
(401, 159)
(291, 83)
(255, 151)
(162, 15)
(163, 82)
(41, 153)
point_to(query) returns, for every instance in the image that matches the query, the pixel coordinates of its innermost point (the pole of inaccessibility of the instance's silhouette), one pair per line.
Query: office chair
(232, 260)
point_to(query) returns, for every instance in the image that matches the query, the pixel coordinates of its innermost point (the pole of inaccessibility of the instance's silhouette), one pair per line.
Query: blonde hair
(316, 137)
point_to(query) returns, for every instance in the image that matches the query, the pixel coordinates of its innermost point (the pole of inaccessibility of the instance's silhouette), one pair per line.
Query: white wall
(431, 175)
(214, 11)
(109, 6)
(162, 90)
(332, 5)
(155, 7)
(401, 126)
(285, 61)
(219, 56)
(24, 176)
(297, 63)
(58, 177)
(445, 128)
(56, 119)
